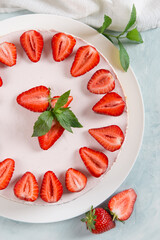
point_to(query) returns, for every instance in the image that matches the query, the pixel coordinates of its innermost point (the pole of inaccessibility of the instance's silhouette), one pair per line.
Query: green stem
(110, 35)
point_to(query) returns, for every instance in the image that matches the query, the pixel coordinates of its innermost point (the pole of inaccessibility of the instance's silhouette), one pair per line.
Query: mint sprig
(133, 35)
(64, 116)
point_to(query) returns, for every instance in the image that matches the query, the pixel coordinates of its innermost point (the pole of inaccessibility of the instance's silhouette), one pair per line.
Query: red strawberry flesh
(62, 46)
(6, 171)
(51, 189)
(8, 54)
(96, 162)
(1, 82)
(101, 82)
(35, 99)
(47, 140)
(121, 205)
(27, 187)
(110, 137)
(111, 104)
(75, 180)
(86, 59)
(32, 43)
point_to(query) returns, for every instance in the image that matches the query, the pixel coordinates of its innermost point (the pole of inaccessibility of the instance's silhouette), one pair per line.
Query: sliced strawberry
(32, 43)
(27, 187)
(96, 162)
(6, 172)
(86, 58)
(8, 53)
(1, 82)
(35, 99)
(122, 204)
(75, 180)
(62, 46)
(54, 100)
(51, 189)
(47, 140)
(111, 137)
(101, 82)
(111, 104)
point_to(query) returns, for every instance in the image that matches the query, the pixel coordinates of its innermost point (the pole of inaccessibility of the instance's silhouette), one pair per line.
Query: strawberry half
(35, 99)
(47, 140)
(111, 104)
(62, 46)
(1, 82)
(27, 187)
(122, 204)
(32, 43)
(8, 54)
(51, 189)
(111, 137)
(6, 172)
(75, 180)
(98, 221)
(87, 57)
(55, 99)
(96, 162)
(101, 82)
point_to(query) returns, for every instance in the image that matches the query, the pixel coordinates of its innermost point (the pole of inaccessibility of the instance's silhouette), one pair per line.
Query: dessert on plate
(64, 116)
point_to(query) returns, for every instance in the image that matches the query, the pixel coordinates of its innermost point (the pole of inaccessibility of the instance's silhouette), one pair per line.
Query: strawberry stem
(115, 217)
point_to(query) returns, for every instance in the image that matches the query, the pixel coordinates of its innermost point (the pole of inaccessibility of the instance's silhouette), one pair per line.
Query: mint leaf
(62, 100)
(107, 22)
(67, 119)
(134, 35)
(71, 118)
(43, 124)
(63, 122)
(124, 58)
(132, 19)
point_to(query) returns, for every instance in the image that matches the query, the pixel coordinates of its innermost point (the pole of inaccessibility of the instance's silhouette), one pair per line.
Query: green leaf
(132, 19)
(107, 22)
(83, 220)
(134, 35)
(67, 119)
(62, 100)
(63, 122)
(124, 58)
(72, 119)
(43, 124)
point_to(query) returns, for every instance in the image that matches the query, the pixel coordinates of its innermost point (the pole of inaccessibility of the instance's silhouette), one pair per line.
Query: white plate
(103, 189)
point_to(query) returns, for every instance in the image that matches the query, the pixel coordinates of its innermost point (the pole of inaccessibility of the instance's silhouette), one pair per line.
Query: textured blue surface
(144, 224)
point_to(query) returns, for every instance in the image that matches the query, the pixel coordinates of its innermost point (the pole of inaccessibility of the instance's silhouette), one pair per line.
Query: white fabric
(92, 11)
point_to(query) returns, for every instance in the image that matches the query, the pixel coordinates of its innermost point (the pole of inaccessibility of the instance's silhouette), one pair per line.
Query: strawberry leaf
(43, 124)
(134, 35)
(62, 100)
(107, 22)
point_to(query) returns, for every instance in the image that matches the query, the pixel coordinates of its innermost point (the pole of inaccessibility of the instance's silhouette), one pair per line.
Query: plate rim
(14, 205)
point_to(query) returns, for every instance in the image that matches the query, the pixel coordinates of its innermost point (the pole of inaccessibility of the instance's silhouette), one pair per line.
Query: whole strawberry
(98, 220)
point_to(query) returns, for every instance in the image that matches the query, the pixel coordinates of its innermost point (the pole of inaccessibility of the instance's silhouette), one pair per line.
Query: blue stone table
(144, 224)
